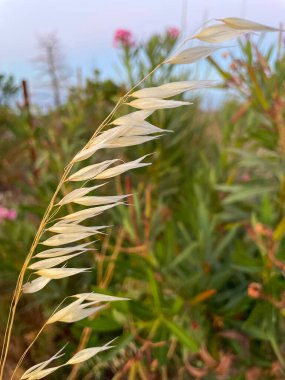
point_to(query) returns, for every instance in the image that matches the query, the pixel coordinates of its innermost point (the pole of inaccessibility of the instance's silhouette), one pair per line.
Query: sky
(85, 28)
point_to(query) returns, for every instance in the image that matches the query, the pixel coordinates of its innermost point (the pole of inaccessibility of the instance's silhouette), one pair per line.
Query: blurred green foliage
(200, 248)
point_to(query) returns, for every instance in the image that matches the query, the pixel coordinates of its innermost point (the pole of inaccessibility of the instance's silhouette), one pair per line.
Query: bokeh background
(199, 249)
(85, 30)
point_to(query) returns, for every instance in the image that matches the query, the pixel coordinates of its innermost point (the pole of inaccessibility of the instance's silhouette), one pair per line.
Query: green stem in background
(276, 350)
(127, 61)
(18, 289)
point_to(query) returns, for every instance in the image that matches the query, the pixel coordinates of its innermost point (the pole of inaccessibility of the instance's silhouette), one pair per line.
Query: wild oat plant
(67, 234)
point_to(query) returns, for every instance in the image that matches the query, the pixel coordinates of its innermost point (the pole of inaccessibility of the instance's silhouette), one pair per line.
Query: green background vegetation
(200, 248)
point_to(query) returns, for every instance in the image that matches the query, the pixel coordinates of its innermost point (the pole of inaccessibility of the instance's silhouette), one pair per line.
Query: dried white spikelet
(80, 313)
(40, 371)
(114, 142)
(123, 131)
(89, 151)
(132, 118)
(58, 315)
(108, 135)
(90, 171)
(79, 216)
(171, 89)
(102, 141)
(125, 141)
(53, 262)
(74, 312)
(99, 201)
(219, 33)
(122, 168)
(38, 367)
(97, 143)
(62, 239)
(55, 252)
(74, 228)
(78, 193)
(192, 55)
(35, 285)
(239, 23)
(188, 85)
(58, 273)
(142, 129)
(98, 297)
(153, 92)
(44, 373)
(156, 103)
(88, 353)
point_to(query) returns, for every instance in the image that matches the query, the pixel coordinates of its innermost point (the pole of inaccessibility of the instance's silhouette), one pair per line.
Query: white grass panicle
(66, 235)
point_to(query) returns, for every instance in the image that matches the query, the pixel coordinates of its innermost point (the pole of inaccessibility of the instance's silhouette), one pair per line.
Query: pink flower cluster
(7, 214)
(173, 32)
(123, 37)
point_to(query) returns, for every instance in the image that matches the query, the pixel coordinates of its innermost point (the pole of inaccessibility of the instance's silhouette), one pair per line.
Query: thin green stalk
(277, 352)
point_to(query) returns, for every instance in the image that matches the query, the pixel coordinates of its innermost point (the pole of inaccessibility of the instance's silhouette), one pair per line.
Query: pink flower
(123, 38)
(254, 290)
(12, 214)
(173, 32)
(245, 177)
(6, 214)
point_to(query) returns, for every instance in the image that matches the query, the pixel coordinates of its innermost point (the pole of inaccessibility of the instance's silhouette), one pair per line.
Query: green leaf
(182, 336)
(246, 194)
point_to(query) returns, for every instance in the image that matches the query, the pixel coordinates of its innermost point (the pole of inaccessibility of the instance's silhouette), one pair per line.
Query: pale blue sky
(86, 27)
